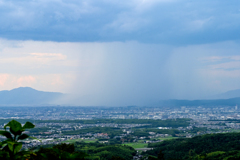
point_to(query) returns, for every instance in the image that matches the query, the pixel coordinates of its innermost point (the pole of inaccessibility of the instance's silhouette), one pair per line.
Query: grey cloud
(173, 22)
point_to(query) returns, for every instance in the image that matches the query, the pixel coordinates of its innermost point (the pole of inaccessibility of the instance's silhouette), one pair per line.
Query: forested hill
(210, 146)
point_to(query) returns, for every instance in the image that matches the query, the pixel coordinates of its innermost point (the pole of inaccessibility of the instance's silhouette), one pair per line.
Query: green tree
(160, 155)
(61, 151)
(117, 158)
(150, 157)
(12, 145)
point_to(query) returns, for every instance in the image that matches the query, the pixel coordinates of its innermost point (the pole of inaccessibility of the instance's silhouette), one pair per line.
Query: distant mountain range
(28, 96)
(230, 98)
(215, 102)
(228, 94)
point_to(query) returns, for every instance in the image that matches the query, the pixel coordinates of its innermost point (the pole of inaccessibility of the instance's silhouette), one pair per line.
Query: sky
(119, 53)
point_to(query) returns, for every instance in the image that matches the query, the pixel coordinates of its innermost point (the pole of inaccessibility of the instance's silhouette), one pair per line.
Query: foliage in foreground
(11, 147)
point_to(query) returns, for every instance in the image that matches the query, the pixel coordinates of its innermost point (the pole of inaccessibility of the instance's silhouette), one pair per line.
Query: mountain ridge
(212, 102)
(28, 96)
(229, 94)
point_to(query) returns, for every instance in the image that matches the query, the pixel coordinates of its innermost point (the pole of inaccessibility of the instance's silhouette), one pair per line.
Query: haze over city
(121, 53)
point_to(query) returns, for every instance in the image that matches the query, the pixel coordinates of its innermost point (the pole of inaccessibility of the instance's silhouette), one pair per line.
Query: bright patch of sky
(132, 52)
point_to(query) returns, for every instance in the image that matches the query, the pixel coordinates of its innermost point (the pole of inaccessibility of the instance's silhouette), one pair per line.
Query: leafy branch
(14, 135)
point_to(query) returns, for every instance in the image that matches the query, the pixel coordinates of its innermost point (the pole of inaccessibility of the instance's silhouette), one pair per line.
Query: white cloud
(230, 62)
(228, 65)
(222, 74)
(26, 81)
(48, 57)
(28, 63)
(212, 59)
(221, 58)
(26, 60)
(44, 82)
(3, 79)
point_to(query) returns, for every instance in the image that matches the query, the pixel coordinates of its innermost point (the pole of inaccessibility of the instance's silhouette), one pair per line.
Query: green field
(136, 145)
(80, 140)
(234, 130)
(140, 143)
(166, 138)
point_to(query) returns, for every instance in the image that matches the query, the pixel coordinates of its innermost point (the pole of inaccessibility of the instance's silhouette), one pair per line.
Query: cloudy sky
(115, 53)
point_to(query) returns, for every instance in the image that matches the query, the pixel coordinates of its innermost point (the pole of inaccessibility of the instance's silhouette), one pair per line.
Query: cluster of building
(212, 119)
(77, 113)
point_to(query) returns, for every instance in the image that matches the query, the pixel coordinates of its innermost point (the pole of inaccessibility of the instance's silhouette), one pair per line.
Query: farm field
(80, 140)
(234, 130)
(167, 138)
(136, 145)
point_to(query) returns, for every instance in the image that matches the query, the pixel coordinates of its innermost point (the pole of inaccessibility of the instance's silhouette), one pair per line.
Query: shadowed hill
(179, 149)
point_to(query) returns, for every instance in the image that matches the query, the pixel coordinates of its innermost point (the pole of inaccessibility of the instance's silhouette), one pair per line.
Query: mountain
(230, 98)
(229, 94)
(28, 96)
(214, 102)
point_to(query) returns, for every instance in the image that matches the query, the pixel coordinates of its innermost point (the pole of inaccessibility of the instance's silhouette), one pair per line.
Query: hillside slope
(201, 145)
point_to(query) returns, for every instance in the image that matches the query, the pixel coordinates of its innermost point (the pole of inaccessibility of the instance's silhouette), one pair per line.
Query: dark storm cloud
(153, 21)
